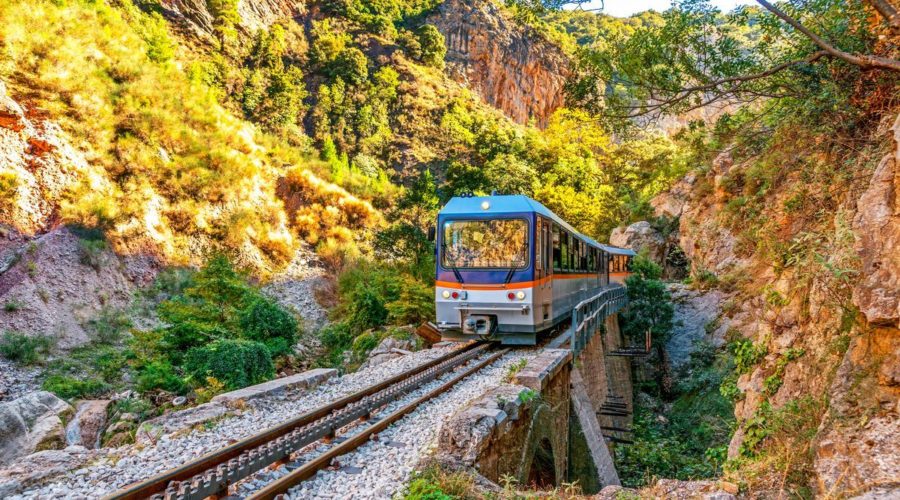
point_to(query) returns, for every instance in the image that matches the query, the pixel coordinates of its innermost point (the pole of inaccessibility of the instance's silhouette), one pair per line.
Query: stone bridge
(555, 421)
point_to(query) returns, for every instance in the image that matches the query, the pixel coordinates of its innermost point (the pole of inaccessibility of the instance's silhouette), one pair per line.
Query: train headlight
(445, 294)
(485, 205)
(520, 295)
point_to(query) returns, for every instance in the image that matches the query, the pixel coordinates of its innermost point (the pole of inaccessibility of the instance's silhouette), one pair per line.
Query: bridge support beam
(597, 452)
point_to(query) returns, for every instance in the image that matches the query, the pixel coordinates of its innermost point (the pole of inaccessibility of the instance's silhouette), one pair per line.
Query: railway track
(344, 424)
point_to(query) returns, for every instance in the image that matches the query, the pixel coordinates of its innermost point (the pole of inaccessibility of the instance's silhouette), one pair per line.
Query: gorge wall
(510, 66)
(816, 290)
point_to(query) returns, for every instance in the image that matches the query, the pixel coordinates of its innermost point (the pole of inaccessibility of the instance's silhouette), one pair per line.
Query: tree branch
(888, 12)
(863, 61)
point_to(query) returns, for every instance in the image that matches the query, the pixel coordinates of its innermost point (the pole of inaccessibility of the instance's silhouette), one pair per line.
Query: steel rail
(309, 469)
(233, 457)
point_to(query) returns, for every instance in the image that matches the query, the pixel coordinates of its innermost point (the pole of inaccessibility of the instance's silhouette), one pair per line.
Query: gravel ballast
(381, 468)
(118, 467)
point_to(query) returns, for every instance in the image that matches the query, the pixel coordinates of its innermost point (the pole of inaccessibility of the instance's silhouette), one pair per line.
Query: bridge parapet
(590, 314)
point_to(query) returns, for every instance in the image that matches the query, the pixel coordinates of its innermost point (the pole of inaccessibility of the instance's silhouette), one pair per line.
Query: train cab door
(543, 287)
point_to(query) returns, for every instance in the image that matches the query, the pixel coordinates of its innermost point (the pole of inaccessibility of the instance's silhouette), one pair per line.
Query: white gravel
(17, 380)
(122, 466)
(381, 468)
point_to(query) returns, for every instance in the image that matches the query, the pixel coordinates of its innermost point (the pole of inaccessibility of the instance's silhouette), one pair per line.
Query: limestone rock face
(877, 228)
(512, 67)
(673, 202)
(660, 248)
(255, 14)
(639, 237)
(695, 311)
(31, 423)
(88, 424)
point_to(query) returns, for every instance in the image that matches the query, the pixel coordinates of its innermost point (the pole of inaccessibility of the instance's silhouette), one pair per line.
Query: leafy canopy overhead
(700, 56)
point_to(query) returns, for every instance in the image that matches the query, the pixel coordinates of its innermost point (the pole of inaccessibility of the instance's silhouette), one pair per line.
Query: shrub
(109, 326)
(159, 375)
(24, 348)
(9, 184)
(69, 387)
(414, 303)
(12, 306)
(267, 322)
(352, 66)
(433, 48)
(235, 363)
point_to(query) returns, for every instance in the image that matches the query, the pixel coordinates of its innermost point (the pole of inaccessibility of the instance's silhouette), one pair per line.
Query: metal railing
(590, 313)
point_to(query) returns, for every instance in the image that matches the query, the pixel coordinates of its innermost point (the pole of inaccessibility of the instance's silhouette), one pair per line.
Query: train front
(485, 271)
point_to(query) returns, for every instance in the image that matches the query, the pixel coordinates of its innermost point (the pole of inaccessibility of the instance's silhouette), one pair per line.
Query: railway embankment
(377, 469)
(94, 472)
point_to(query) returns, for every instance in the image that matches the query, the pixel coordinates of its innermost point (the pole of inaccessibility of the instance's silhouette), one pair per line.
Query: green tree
(650, 310)
(351, 65)
(225, 18)
(432, 45)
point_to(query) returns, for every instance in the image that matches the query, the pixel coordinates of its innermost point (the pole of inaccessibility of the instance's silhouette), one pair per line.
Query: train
(509, 269)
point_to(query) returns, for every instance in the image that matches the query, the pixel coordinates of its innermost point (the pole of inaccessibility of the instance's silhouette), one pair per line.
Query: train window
(539, 246)
(485, 244)
(548, 245)
(557, 253)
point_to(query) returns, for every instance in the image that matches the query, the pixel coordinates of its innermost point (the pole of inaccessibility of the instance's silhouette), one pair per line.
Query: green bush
(109, 326)
(159, 375)
(352, 66)
(236, 363)
(219, 303)
(433, 47)
(69, 387)
(23, 348)
(267, 322)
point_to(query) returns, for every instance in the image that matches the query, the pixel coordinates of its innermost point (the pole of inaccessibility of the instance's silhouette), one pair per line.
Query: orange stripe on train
(510, 286)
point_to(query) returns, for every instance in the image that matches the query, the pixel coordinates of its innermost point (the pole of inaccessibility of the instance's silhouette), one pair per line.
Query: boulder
(87, 426)
(389, 348)
(641, 237)
(33, 422)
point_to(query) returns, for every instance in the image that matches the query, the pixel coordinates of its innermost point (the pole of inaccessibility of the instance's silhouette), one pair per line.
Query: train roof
(618, 250)
(508, 204)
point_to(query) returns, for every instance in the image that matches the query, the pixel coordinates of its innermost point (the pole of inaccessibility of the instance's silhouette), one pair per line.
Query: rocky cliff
(195, 15)
(511, 67)
(817, 293)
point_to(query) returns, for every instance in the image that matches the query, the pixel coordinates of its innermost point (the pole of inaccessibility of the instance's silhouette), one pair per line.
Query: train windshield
(496, 243)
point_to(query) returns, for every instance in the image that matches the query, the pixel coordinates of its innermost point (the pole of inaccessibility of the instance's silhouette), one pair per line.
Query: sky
(625, 8)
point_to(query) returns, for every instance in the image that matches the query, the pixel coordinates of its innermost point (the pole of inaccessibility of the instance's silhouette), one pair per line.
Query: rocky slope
(824, 320)
(511, 67)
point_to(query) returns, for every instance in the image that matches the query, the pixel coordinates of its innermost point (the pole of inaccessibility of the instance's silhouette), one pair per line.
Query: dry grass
(169, 163)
